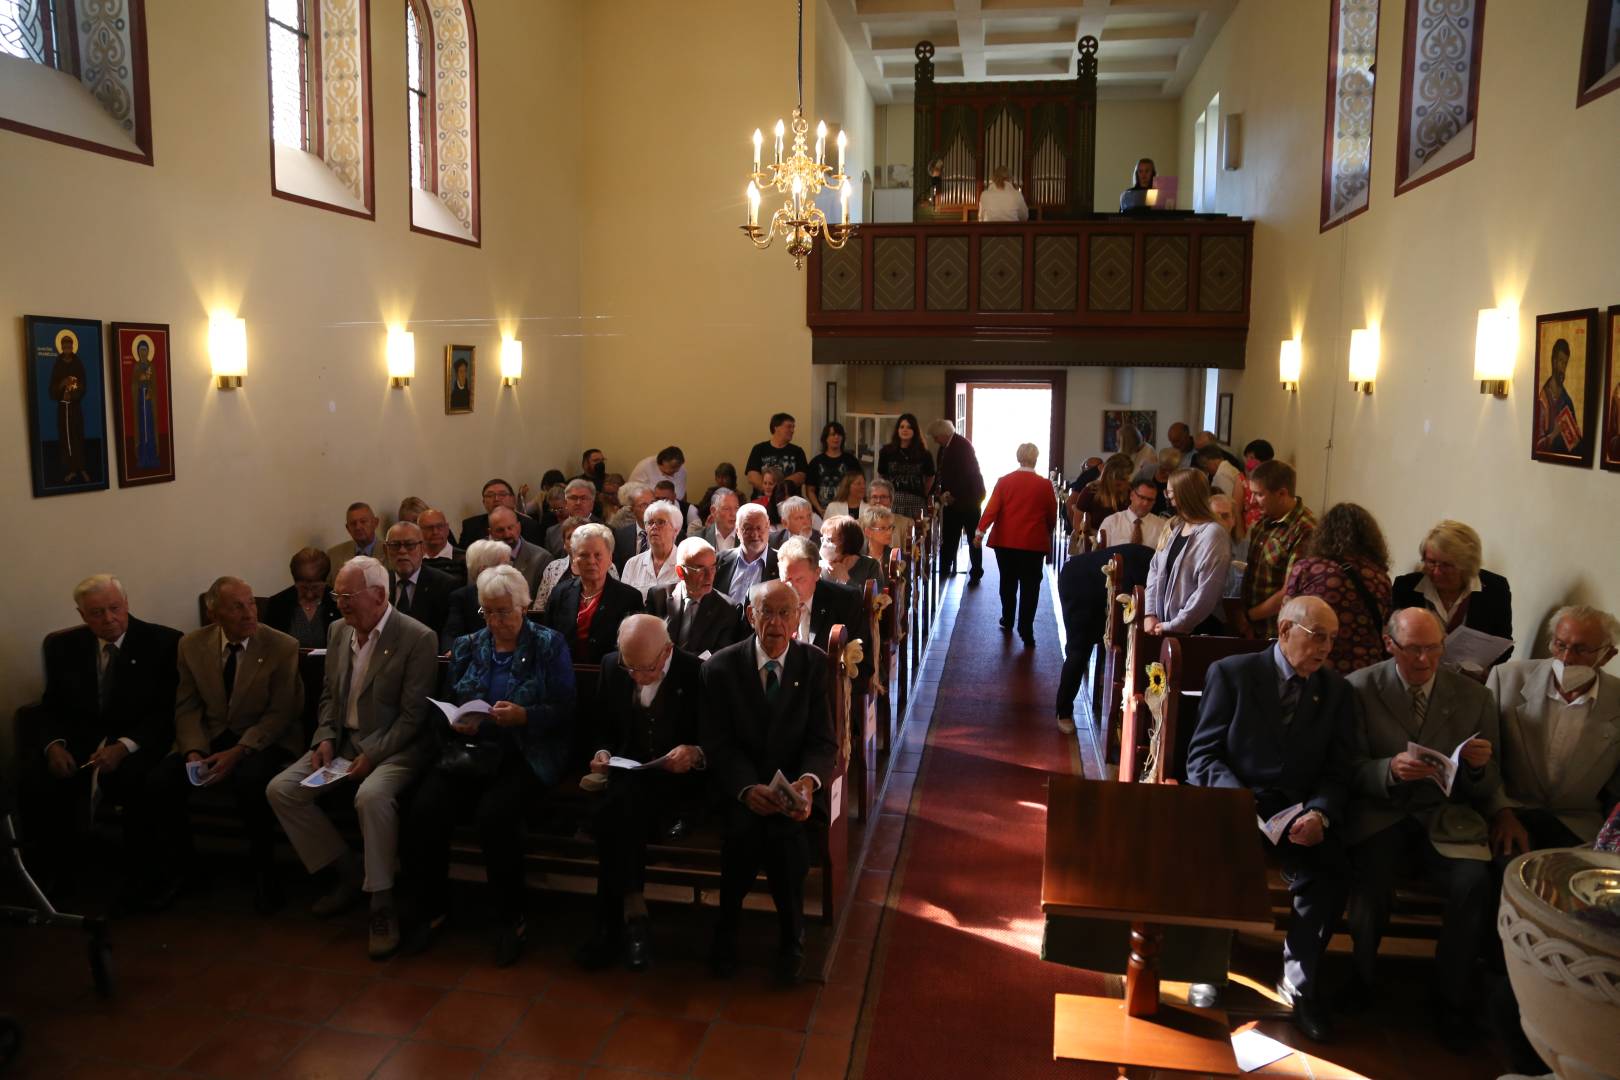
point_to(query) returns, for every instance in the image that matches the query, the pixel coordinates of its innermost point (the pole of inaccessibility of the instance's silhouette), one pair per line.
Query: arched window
(319, 73)
(444, 118)
(104, 105)
(1440, 73)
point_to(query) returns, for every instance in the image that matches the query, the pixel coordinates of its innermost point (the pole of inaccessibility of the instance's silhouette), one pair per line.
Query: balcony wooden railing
(1167, 290)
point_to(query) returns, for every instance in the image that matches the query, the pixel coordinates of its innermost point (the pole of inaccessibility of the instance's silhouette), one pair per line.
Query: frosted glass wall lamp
(1496, 343)
(511, 361)
(401, 356)
(1363, 359)
(1288, 365)
(227, 350)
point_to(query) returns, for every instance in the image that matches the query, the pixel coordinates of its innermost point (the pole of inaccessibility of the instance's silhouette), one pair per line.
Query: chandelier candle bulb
(843, 141)
(759, 140)
(843, 202)
(753, 204)
(780, 129)
(821, 142)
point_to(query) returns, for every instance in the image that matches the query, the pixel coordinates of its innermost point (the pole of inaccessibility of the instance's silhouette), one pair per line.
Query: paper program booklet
(789, 796)
(331, 774)
(1445, 768)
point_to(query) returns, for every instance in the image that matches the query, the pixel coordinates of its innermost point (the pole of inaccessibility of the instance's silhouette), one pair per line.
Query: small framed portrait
(459, 380)
(1144, 420)
(1610, 457)
(67, 405)
(1568, 360)
(142, 403)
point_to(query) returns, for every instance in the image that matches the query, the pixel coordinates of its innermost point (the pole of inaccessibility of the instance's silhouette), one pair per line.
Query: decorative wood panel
(1001, 273)
(1220, 273)
(841, 277)
(947, 286)
(1110, 269)
(1164, 274)
(1057, 279)
(894, 273)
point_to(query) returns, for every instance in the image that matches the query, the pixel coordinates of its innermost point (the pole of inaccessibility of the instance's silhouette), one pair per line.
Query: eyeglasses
(402, 545)
(778, 614)
(1436, 565)
(1419, 652)
(651, 669)
(497, 613)
(692, 569)
(1318, 638)
(347, 597)
(1559, 645)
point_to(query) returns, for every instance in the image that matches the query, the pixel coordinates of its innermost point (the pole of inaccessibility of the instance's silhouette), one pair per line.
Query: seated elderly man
(798, 519)
(108, 721)
(587, 606)
(656, 565)
(579, 500)
(439, 552)
(767, 709)
(721, 530)
(628, 525)
(1137, 523)
(499, 493)
(752, 560)
(824, 603)
(1277, 722)
(649, 708)
(465, 613)
(699, 617)
(418, 590)
(880, 492)
(360, 522)
(529, 558)
(1401, 817)
(1560, 719)
(380, 669)
(236, 716)
(305, 608)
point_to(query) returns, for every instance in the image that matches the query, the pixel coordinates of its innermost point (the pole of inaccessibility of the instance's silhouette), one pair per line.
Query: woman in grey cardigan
(1188, 573)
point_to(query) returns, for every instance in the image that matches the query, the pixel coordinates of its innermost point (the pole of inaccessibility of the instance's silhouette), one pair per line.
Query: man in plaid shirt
(1284, 529)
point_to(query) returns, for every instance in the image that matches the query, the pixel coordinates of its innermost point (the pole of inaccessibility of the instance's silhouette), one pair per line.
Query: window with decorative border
(318, 70)
(1600, 51)
(75, 72)
(1439, 89)
(444, 170)
(1347, 142)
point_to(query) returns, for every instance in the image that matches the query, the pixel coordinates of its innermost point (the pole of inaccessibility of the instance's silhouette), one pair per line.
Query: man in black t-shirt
(779, 451)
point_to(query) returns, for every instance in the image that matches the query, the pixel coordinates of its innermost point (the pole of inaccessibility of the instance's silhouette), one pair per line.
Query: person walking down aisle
(1019, 520)
(961, 487)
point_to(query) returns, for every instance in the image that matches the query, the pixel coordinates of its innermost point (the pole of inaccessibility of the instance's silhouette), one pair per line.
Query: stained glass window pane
(413, 90)
(22, 30)
(1349, 134)
(287, 74)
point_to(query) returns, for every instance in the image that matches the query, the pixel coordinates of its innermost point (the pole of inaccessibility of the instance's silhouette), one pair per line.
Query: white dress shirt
(1118, 527)
(1447, 612)
(1002, 203)
(638, 571)
(357, 668)
(446, 552)
(1227, 479)
(647, 472)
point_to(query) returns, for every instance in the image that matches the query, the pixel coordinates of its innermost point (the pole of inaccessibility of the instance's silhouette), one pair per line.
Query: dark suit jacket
(461, 617)
(624, 545)
(430, 598)
(717, 623)
(834, 604)
(1083, 591)
(141, 707)
(279, 609)
(725, 567)
(1241, 741)
(747, 739)
(959, 474)
(1490, 610)
(477, 528)
(680, 697)
(554, 534)
(455, 567)
(562, 609)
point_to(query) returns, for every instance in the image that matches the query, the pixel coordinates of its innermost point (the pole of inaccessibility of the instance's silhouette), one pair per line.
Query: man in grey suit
(530, 559)
(380, 667)
(236, 713)
(360, 522)
(699, 618)
(721, 531)
(1560, 737)
(1400, 816)
(579, 500)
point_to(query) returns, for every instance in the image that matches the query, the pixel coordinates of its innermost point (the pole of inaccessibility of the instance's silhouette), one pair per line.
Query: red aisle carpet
(959, 988)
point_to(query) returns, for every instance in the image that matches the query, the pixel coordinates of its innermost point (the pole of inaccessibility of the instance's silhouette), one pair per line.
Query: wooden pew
(862, 720)
(1117, 657)
(893, 634)
(1186, 660)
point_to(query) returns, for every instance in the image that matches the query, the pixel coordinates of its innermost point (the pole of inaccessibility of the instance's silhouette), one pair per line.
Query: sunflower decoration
(1128, 602)
(1155, 680)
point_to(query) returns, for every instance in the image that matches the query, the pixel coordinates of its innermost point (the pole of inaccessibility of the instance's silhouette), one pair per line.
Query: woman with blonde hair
(1108, 494)
(1450, 582)
(1188, 572)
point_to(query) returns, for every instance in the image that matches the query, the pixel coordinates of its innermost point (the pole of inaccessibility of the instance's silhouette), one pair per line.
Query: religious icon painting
(1568, 361)
(142, 403)
(458, 378)
(67, 408)
(1610, 457)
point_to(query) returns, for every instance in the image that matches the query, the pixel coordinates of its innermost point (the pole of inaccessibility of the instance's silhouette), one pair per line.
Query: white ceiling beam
(970, 33)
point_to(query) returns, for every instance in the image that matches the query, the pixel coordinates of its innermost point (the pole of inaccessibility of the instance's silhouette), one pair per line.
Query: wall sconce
(1288, 365)
(227, 350)
(1363, 359)
(401, 356)
(511, 361)
(1496, 343)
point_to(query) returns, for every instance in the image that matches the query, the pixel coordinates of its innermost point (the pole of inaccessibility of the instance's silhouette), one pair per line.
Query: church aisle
(958, 988)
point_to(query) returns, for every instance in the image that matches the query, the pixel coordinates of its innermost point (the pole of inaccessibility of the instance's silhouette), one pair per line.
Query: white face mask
(1573, 677)
(829, 552)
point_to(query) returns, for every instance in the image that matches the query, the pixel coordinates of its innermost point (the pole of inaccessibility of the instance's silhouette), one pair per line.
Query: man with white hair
(661, 522)
(380, 669)
(649, 708)
(823, 603)
(464, 616)
(798, 519)
(579, 500)
(416, 589)
(108, 721)
(1401, 817)
(721, 531)
(961, 485)
(699, 617)
(1277, 722)
(1560, 737)
(752, 561)
(629, 524)
(441, 554)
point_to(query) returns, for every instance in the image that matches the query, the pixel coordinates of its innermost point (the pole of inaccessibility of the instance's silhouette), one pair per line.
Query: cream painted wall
(1524, 222)
(1127, 130)
(692, 336)
(269, 468)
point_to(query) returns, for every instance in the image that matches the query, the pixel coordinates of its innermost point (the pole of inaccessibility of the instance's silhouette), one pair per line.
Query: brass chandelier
(800, 179)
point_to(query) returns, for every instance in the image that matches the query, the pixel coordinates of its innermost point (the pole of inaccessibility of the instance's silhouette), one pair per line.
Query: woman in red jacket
(1023, 510)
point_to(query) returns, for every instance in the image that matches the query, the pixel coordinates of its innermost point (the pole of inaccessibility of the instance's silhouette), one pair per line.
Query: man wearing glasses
(416, 590)
(1560, 737)
(699, 617)
(1402, 818)
(1278, 723)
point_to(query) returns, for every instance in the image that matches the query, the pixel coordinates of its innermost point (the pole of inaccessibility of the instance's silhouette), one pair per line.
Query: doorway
(997, 411)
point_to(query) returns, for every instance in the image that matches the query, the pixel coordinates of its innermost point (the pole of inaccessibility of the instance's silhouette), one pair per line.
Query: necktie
(403, 600)
(641, 541)
(1420, 705)
(1136, 530)
(105, 684)
(232, 650)
(773, 682)
(1290, 698)
(688, 615)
